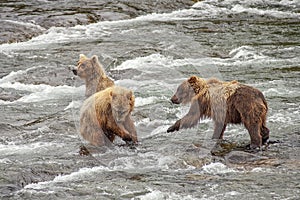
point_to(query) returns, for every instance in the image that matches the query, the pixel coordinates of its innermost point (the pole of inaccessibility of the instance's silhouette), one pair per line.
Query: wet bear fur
(92, 72)
(224, 102)
(106, 114)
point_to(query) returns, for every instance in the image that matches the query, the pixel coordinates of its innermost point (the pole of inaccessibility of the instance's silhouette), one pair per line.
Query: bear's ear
(95, 59)
(197, 83)
(129, 95)
(82, 57)
(193, 79)
(113, 95)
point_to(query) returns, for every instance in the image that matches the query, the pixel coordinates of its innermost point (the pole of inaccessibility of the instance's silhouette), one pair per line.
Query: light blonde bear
(107, 114)
(92, 72)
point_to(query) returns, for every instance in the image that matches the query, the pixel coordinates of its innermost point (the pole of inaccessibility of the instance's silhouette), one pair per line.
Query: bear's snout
(74, 71)
(175, 100)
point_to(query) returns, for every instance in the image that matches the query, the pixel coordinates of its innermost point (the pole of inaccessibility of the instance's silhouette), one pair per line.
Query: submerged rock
(13, 31)
(6, 190)
(251, 160)
(9, 94)
(239, 157)
(223, 147)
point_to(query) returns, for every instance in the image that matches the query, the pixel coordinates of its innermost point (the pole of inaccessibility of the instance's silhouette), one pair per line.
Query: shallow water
(254, 42)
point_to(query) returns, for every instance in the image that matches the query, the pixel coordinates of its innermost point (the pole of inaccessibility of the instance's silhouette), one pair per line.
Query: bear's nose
(175, 100)
(74, 71)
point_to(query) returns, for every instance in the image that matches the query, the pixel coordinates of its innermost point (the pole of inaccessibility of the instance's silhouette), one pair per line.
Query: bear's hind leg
(95, 136)
(265, 134)
(255, 135)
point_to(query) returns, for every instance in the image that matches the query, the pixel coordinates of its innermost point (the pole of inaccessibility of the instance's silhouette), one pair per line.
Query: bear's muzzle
(74, 71)
(175, 100)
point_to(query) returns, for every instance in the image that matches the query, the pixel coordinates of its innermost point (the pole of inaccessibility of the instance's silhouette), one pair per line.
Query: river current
(254, 42)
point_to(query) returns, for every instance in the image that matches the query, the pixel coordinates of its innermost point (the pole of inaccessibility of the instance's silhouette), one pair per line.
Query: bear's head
(187, 90)
(86, 67)
(122, 103)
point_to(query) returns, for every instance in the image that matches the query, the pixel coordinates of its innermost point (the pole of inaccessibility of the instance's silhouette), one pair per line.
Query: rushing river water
(151, 52)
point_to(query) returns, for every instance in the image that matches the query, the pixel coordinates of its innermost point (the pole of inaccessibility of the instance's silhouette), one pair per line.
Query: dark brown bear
(224, 102)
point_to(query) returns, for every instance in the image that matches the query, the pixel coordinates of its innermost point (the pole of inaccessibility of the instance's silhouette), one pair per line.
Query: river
(150, 48)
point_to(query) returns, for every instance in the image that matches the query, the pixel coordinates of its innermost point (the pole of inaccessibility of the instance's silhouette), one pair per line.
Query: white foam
(244, 56)
(291, 3)
(12, 149)
(271, 92)
(73, 105)
(141, 161)
(232, 193)
(213, 8)
(154, 194)
(270, 12)
(207, 9)
(6, 161)
(25, 87)
(245, 53)
(39, 92)
(261, 170)
(50, 92)
(84, 32)
(13, 75)
(53, 35)
(168, 66)
(217, 168)
(153, 61)
(158, 130)
(27, 24)
(184, 14)
(139, 101)
(281, 118)
(83, 173)
(62, 34)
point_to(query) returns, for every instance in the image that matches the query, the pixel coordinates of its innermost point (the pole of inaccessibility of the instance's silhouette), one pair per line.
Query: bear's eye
(83, 66)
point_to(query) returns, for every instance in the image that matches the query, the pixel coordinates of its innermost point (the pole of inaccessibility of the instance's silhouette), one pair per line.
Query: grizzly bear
(92, 72)
(224, 102)
(185, 92)
(106, 114)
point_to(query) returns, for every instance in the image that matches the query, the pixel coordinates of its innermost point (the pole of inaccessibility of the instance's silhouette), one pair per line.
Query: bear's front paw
(131, 144)
(129, 138)
(175, 127)
(172, 129)
(134, 139)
